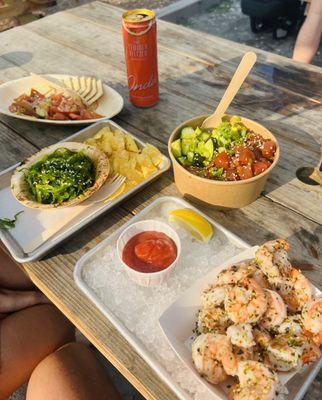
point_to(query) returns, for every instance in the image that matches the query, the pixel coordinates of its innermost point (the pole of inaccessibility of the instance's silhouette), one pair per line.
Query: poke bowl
(221, 191)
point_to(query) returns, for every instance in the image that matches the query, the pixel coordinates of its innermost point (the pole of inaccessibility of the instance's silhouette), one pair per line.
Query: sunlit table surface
(194, 70)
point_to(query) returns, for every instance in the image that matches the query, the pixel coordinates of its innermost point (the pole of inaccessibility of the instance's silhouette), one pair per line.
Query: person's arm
(309, 37)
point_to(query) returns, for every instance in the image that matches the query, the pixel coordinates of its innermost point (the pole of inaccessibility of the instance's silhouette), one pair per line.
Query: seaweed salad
(60, 176)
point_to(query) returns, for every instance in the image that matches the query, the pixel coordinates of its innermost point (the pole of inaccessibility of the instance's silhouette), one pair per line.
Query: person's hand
(14, 300)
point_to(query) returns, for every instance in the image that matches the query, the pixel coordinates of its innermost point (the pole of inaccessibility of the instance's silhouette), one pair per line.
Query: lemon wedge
(193, 222)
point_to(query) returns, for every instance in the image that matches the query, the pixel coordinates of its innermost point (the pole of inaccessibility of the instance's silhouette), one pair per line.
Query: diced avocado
(193, 145)
(200, 148)
(235, 119)
(209, 149)
(234, 129)
(243, 132)
(176, 148)
(198, 131)
(188, 133)
(206, 150)
(185, 146)
(204, 136)
(190, 156)
(184, 161)
(223, 142)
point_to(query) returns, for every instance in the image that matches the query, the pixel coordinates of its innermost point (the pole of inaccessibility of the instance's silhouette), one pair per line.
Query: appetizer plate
(48, 227)
(109, 105)
(179, 320)
(135, 310)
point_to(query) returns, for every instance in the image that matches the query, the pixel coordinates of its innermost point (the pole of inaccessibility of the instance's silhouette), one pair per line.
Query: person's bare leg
(26, 338)
(71, 373)
(11, 275)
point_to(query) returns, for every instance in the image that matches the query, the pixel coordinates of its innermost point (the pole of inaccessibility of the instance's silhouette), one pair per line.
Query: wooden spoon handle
(240, 75)
(317, 176)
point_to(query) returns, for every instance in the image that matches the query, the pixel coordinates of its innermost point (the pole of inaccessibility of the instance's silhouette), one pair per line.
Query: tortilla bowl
(223, 194)
(20, 187)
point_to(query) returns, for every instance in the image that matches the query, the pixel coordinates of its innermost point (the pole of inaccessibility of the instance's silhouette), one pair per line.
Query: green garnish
(60, 176)
(7, 223)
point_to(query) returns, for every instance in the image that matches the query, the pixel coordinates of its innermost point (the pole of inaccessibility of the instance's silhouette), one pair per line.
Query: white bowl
(148, 278)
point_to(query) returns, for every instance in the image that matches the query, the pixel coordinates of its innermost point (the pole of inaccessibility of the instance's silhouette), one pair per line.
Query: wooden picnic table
(194, 69)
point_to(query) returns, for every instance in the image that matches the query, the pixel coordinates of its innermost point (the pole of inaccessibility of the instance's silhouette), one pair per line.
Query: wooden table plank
(13, 148)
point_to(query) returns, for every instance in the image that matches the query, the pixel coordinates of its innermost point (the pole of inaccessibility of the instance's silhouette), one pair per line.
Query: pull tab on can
(140, 47)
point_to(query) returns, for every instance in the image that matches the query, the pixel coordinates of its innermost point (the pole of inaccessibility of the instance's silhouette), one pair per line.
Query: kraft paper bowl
(232, 194)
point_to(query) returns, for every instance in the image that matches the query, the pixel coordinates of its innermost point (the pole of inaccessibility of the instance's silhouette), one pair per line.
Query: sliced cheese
(98, 94)
(93, 91)
(88, 84)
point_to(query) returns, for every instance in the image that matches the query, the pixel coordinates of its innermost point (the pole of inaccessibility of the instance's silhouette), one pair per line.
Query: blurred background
(271, 25)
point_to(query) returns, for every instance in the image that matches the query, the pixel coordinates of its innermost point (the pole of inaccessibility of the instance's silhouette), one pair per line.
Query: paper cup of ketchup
(149, 251)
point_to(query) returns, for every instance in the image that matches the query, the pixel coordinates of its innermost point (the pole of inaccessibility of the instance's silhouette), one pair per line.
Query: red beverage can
(140, 45)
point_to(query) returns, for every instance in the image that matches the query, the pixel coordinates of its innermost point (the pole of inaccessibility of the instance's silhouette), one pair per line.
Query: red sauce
(149, 251)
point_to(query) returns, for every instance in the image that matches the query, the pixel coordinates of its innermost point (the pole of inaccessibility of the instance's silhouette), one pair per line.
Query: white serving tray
(101, 278)
(109, 105)
(36, 232)
(178, 322)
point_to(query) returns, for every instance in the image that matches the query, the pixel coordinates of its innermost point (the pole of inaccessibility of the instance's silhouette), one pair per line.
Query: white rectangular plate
(36, 232)
(135, 310)
(179, 320)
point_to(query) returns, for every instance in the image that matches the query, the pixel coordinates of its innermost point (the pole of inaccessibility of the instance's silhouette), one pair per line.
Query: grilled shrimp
(245, 354)
(204, 357)
(256, 382)
(288, 351)
(276, 310)
(272, 258)
(213, 357)
(246, 302)
(312, 320)
(241, 335)
(214, 295)
(283, 353)
(262, 338)
(291, 325)
(250, 392)
(236, 273)
(294, 288)
(258, 275)
(212, 319)
(311, 351)
(233, 274)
